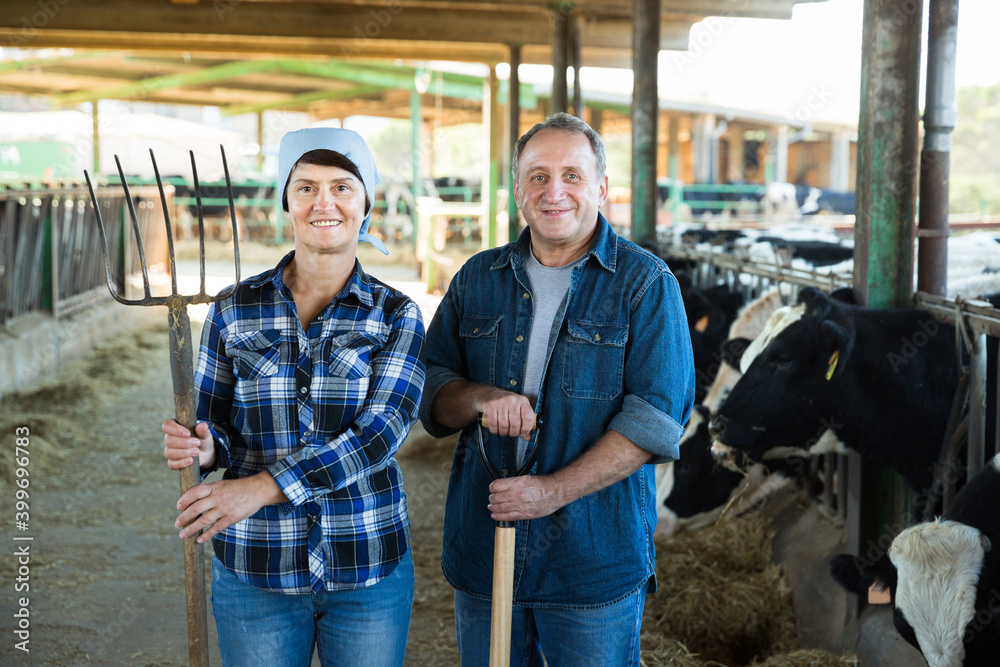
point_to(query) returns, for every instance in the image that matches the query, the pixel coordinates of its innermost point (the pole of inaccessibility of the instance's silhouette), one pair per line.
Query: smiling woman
(309, 379)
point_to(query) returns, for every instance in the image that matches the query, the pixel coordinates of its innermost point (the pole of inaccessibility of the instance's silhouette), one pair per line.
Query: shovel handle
(503, 596)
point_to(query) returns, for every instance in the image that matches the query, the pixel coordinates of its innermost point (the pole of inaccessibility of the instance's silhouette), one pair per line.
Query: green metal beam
(301, 100)
(140, 89)
(404, 80)
(32, 63)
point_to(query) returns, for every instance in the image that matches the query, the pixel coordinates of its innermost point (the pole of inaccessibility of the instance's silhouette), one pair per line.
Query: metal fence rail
(51, 257)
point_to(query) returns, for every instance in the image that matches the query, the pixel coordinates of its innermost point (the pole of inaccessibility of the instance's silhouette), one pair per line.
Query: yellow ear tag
(702, 324)
(878, 593)
(832, 364)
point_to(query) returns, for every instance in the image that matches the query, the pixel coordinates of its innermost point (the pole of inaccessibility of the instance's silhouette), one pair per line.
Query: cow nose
(717, 426)
(724, 455)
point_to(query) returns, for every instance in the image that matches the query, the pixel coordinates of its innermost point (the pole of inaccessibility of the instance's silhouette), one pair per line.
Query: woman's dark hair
(323, 157)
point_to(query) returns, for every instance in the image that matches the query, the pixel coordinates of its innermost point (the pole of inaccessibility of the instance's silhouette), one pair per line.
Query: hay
(56, 413)
(809, 658)
(422, 446)
(720, 594)
(432, 624)
(658, 651)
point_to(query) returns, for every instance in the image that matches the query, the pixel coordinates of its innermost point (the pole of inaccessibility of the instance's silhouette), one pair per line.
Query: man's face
(559, 191)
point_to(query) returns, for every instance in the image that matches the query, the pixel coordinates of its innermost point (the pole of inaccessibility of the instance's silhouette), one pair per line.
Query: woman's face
(326, 206)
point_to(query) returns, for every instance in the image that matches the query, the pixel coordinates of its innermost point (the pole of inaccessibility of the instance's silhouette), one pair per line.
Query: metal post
(577, 34)
(940, 112)
(513, 228)
(560, 37)
(415, 121)
(780, 154)
(674, 166)
(977, 406)
(260, 140)
(492, 128)
(883, 232)
(97, 137)
(645, 110)
(840, 160)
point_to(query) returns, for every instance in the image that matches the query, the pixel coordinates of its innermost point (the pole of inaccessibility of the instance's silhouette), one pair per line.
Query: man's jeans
(600, 637)
(366, 627)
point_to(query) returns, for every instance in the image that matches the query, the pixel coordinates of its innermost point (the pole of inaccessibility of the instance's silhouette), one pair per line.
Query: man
(586, 330)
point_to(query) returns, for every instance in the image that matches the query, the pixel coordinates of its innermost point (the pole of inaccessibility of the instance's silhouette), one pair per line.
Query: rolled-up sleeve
(659, 370)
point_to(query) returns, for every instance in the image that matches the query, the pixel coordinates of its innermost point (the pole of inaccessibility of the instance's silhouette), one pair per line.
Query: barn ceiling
(326, 57)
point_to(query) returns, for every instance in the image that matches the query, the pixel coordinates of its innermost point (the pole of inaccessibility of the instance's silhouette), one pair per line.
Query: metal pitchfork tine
(181, 369)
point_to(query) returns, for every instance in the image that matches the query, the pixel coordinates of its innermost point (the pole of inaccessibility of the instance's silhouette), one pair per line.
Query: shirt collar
(359, 284)
(604, 248)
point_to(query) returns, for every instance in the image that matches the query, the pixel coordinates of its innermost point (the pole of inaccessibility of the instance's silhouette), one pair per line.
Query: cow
(710, 312)
(942, 578)
(692, 491)
(881, 380)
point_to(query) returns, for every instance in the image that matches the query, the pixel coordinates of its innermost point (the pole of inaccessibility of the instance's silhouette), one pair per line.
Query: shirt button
(519, 339)
(597, 336)
(513, 382)
(505, 472)
(525, 296)
(303, 390)
(307, 434)
(476, 330)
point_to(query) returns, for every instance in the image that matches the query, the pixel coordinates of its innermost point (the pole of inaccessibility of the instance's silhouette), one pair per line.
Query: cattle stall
(51, 255)
(976, 402)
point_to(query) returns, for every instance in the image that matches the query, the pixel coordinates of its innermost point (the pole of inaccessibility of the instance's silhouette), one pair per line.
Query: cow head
(790, 373)
(695, 487)
(939, 589)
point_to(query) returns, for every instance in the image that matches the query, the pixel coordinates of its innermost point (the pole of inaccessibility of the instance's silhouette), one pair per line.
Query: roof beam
(303, 100)
(147, 87)
(354, 29)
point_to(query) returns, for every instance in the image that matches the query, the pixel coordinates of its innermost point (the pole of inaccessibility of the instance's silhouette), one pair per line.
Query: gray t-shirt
(549, 286)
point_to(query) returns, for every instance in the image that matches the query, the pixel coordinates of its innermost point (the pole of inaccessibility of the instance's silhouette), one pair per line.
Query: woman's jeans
(366, 627)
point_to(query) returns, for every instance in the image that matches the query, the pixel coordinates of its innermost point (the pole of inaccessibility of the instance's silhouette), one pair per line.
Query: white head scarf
(346, 142)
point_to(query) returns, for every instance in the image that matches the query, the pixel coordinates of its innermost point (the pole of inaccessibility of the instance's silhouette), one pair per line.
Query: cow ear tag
(702, 324)
(878, 593)
(831, 365)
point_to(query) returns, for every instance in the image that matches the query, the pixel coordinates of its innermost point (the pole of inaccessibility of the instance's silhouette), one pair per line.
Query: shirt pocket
(350, 355)
(594, 360)
(255, 354)
(479, 340)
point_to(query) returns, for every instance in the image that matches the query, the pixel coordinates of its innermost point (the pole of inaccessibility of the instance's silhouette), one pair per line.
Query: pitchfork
(181, 371)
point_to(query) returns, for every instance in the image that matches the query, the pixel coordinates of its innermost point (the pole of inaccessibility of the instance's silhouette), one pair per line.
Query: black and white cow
(692, 491)
(710, 312)
(881, 381)
(943, 578)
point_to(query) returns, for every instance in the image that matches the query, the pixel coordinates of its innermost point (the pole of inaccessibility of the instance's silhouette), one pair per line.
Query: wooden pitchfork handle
(185, 407)
(504, 539)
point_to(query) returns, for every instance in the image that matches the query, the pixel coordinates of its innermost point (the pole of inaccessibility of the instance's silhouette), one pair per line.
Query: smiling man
(586, 330)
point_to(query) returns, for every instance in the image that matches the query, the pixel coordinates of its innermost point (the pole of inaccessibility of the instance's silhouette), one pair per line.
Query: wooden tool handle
(503, 596)
(485, 424)
(182, 372)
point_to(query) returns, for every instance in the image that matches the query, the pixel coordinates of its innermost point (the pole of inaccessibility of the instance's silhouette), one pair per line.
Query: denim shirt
(622, 360)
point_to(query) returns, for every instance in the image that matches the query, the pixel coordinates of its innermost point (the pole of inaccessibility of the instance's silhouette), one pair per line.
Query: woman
(309, 379)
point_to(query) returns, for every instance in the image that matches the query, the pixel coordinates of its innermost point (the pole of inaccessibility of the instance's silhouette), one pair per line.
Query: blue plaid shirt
(323, 411)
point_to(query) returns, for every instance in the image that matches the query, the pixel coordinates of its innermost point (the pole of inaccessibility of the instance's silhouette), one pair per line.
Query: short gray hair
(566, 123)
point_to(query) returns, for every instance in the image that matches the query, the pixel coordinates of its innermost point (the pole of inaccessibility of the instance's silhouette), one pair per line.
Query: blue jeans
(366, 627)
(566, 637)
